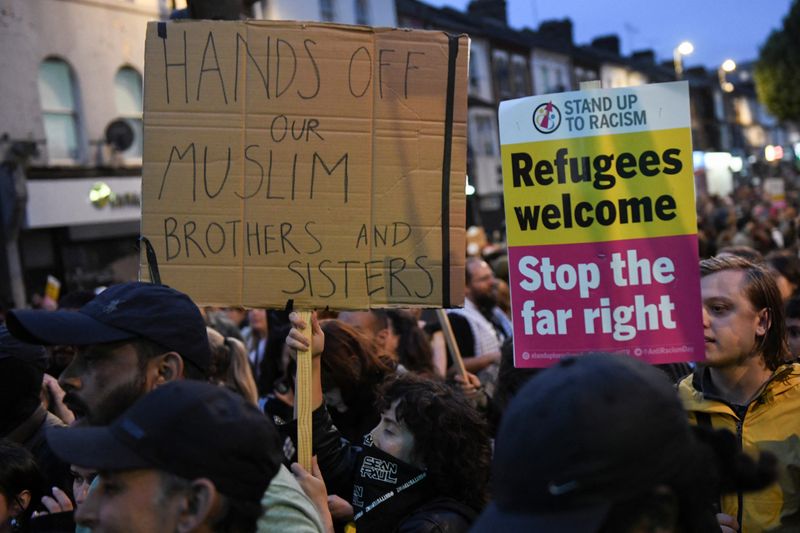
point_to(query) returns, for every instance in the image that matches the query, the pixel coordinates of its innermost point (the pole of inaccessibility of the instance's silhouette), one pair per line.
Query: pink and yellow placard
(601, 224)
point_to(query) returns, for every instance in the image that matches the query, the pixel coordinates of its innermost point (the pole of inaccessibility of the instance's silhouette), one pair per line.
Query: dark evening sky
(719, 29)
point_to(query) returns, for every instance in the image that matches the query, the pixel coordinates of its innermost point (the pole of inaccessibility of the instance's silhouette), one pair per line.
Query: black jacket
(337, 460)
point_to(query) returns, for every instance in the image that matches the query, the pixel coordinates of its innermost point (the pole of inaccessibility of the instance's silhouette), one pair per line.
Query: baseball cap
(126, 311)
(581, 436)
(192, 429)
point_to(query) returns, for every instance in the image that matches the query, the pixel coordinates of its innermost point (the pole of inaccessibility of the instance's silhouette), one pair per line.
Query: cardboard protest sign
(313, 162)
(602, 234)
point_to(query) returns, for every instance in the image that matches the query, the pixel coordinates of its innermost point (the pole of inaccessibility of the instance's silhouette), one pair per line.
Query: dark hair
(787, 264)
(351, 364)
(413, 349)
(238, 516)
(745, 252)
(793, 307)
(147, 349)
(509, 378)
(272, 364)
(450, 437)
(762, 292)
(349, 359)
(18, 472)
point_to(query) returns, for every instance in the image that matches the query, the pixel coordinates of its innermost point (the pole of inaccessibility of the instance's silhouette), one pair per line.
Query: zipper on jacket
(739, 493)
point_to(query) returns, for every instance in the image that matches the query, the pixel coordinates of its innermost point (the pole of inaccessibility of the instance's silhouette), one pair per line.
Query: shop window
(128, 95)
(57, 92)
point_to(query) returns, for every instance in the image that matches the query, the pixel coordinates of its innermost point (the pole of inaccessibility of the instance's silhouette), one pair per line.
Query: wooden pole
(450, 338)
(303, 398)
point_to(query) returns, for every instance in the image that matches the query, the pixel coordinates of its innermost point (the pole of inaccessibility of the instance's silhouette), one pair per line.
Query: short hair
(238, 515)
(468, 267)
(786, 263)
(793, 307)
(443, 422)
(746, 252)
(147, 349)
(762, 292)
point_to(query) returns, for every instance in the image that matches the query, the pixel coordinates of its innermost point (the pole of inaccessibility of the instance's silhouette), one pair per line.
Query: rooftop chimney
(558, 32)
(609, 43)
(493, 9)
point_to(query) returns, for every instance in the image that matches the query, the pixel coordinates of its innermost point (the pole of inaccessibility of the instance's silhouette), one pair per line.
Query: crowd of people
(135, 410)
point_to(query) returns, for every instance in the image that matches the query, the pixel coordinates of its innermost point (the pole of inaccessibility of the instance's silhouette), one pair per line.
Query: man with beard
(745, 386)
(130, 339)
(481, 327)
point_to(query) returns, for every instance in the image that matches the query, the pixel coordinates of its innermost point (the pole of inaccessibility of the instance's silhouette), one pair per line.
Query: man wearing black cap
(601, 444)
(131, 338)
(189, 456)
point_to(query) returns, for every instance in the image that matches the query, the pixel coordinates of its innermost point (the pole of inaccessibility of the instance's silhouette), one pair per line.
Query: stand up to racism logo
(546, 117)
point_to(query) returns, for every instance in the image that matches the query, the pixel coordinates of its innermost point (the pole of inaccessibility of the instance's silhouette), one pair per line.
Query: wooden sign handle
(303, 398)
(447, 330)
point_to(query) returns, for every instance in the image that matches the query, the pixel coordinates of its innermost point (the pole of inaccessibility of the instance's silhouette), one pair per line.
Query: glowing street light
(683, 49)
(727, 66)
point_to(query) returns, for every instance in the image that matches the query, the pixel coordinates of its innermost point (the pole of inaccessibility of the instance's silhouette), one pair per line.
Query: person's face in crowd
(784, 286)
(793, 336)
(482, 285)
(730, 322)
(81, 481)
(258, 321)
(394, 437)
(236, 315)
(131, 501)
(102, 381)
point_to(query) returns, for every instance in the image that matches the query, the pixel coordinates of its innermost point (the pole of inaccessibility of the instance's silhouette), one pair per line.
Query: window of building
(327, 10)
(519, 76)
(484, 128)
(57, 92)
(502, 75)
(560, 85)
(362, 12)
(544, 76)
(128, 95)
(474, 71)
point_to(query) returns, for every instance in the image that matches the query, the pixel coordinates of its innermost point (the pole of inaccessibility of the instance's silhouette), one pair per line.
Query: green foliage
(777, 72)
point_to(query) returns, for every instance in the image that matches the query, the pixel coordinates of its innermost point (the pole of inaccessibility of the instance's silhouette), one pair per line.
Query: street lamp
(683, 49)
(727, 66)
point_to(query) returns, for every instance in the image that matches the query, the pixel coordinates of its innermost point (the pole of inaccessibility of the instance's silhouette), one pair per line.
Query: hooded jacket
(769, 422)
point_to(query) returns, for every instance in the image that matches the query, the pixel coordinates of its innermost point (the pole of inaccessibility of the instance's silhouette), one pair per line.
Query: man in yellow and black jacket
(745, 386)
